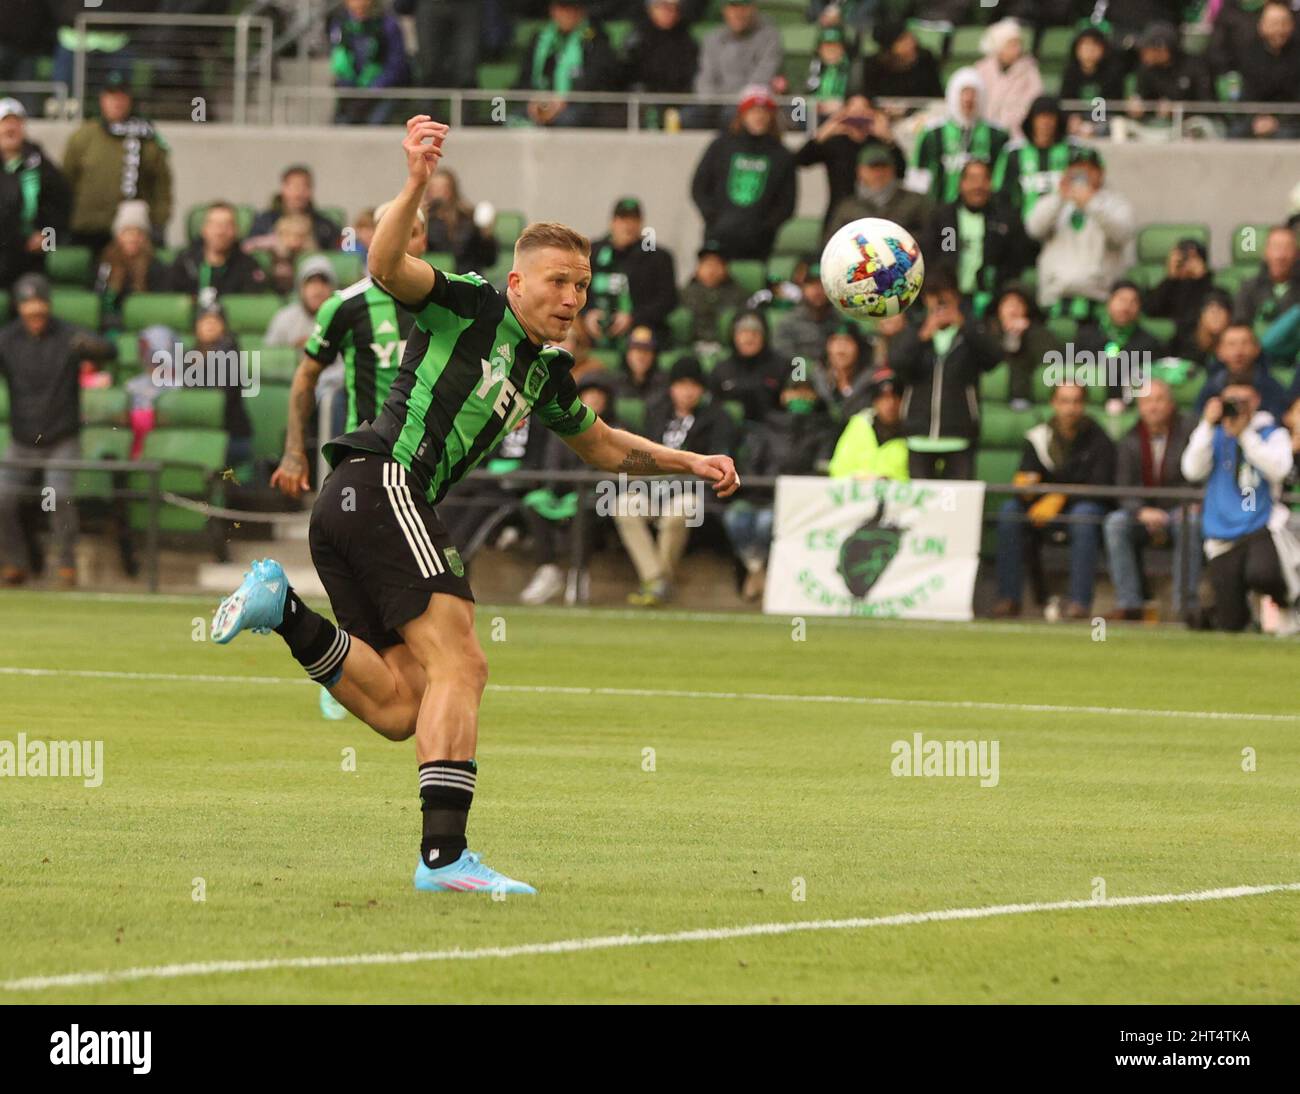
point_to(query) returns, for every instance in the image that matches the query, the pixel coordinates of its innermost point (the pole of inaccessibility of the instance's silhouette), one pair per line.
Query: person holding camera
(1187, 282)
(1243, 456)
(1238, 360)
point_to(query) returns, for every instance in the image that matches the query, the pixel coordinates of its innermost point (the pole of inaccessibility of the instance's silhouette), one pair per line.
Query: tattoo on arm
(302, 402)
(639, 462)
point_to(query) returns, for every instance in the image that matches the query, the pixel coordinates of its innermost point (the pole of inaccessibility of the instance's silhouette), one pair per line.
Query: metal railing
(55, 103)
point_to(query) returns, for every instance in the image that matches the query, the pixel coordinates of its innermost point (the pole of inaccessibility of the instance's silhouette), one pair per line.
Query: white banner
(894, 550)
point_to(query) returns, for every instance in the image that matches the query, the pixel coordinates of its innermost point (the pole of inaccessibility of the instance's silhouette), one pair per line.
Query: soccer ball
(872, 269)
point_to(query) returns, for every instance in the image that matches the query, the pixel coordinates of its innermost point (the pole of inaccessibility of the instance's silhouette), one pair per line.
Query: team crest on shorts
(453, 560)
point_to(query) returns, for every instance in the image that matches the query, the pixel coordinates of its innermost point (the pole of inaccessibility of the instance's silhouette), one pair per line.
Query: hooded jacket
(784, 443)
(1083, 258)
(657, 60)
(1009, 91)
(755, 381)
(1106, 83)
(941, 395)
(292, 325)
(1025, 171)
(94, 163)
(745, 188)
(944, 148)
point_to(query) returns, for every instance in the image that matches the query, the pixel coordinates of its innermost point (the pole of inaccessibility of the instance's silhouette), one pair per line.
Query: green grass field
(242, 784)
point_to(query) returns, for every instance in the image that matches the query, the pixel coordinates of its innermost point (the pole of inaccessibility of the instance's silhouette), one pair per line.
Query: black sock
(446, 793)
(316, 643)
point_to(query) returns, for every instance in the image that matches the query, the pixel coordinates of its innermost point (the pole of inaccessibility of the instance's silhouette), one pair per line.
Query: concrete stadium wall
(575, 176)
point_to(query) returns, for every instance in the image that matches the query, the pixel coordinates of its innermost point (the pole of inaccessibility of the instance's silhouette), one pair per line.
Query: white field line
(622, 941)
(676, 693)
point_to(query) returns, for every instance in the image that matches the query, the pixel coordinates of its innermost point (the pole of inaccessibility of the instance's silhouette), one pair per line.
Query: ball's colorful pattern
(872, 268)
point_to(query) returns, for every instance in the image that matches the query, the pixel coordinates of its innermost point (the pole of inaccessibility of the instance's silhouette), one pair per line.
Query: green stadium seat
(700, 31)
(680, 322)
(277, 364)
(1162, 330)
(268, 410)
(191, 408)
(1248, 244)
(995, 385)
(70, 265)
(781, 267)
(724, 328)
(250, 313)
(630, 413)
(710, 358)
(749, 273)
(997, 465)
(510, 224)
(244, 215)
(336, 213)
(1155, 241)
(1054, 45)
(1002, 427)
(609, 358)
(80, 306)
(497, 75)
(1064, 328)
(171, 309)
(1147, 275)
(965, 44)
(1231, 278)
(4, 402)
(103, 406)
(348, 267)
(4, 439)
(929, 37)
(199, 456)
(101, 443)
(799, 236)
(250, 343)
(800, 38)
(666, 359)
(618, 31)
(4, 306)
(525, 29)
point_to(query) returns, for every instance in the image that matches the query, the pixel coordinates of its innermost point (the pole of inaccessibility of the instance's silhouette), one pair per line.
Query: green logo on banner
(867, 552)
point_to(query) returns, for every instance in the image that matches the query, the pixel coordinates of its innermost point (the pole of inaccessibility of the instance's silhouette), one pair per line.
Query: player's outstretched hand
(421, 158)
(719, 470)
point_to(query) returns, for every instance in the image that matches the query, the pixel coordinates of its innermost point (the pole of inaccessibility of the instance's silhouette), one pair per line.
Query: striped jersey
(365, 325)
(469, 376)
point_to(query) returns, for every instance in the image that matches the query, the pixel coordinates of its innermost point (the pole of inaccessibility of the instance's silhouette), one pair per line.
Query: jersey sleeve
(559, 407)
(453, 299)
(327, 336)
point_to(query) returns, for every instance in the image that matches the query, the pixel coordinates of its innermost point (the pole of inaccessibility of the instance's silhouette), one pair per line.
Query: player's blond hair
(547, 233)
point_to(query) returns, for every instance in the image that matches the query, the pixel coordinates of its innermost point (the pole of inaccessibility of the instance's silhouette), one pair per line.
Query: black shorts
(379, 548)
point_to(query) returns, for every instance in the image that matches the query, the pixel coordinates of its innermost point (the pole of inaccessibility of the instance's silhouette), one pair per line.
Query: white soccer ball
(872, 269)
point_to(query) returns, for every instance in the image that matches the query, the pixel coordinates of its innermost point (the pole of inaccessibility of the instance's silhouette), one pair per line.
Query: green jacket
(858, 452)
(93, 162)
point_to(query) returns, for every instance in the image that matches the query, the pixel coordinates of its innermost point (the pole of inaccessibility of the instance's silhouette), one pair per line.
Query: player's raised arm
(618, 450)
(408, 279)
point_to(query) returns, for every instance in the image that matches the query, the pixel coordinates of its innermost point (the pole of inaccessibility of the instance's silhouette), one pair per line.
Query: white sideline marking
(610, 942)
(675, 693)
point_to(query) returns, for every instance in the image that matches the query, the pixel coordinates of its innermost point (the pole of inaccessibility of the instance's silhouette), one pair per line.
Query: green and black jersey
(365, 325)
(469, 376)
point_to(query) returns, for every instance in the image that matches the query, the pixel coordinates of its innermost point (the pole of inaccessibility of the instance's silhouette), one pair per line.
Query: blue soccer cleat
(257, 605)
(467, 875)
(330, 707)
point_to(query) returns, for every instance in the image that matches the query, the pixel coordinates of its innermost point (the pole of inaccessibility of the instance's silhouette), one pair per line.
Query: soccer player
(404, 657)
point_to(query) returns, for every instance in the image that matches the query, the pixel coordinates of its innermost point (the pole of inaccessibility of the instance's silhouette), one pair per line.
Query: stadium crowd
(1028, 252)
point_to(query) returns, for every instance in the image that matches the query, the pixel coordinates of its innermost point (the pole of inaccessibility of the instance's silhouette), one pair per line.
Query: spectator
(40, 363)
(944, 148)
(1128, 20)
(1243, 456)
(128, 264)
(631, 285)
(873, 444)
(367, 52)
(837, 144)
(1270, 73)
(710, 293)
(448, 33)
(1238, 354)
(744, 185)
(1120, 345)
(292, 240)
(745, 51)
(1070, 449)
(297, 195)
(639, 375)
(828, 72)
(570, 53)
(1150, 455)
(362, 232)
(752, 374)
(979, 238)
(34, 196)
(680, 420)
(1031, 167)
(802, 331)
(1016, 325)
(548, 511)
(1093, 72)
(902, 69)
(1236, 29)
(660, 55)
(795, 439)
(118, 158)
(293, 324)
(1084, 229)
(1186, 284)
(1199, 342)
(1275, 290)
(214, 264)
(457, 228)
(1009, 74)
(880, 193)
(940, 366)
(843, 378)
(213, 339)
(1165, 75)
